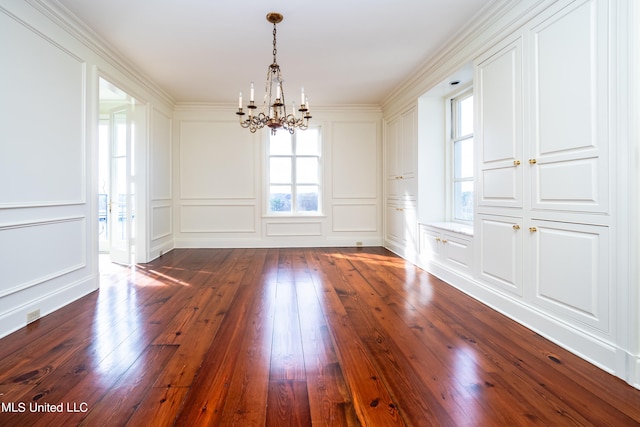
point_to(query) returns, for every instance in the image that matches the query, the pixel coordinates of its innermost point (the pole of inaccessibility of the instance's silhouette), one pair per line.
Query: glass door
(120, 206)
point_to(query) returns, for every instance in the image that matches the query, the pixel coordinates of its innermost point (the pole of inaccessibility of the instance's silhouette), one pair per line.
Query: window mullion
(294, 172)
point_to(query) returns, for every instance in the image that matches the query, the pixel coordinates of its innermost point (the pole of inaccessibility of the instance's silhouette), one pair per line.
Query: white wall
(218, 174)
(48, 158)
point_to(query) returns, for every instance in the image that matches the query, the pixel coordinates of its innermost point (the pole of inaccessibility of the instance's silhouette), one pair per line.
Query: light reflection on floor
(117, 326)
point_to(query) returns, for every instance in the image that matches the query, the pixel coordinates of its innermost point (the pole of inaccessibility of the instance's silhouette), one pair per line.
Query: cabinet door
(394, 223)
(570, 114)
(393, 148)
(392, 145)
(499, 133)
(430, 244)
(457, 251)
(570, 271)
(402, 226)
(501, 252)
(409, 146)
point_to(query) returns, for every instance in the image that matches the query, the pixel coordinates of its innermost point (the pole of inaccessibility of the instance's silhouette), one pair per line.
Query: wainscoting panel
(216, 161)
(161, 221)
(226, 218)
(42, 153)
(160, 156)
(355, 217)
(311, 228)
(55, 248)
(355, 160)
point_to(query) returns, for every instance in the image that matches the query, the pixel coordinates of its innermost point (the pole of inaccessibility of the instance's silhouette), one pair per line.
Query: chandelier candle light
(273, 113)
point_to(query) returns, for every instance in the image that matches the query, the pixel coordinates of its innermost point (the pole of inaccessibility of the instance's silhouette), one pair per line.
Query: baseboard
(159, 250)
(278, 242)
(15, 319)
(594, 350)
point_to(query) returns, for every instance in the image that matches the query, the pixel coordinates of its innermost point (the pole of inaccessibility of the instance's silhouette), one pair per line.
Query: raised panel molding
(500, 186)
(571, 271)
(568, 183)
(217, 161)
(160, 156)
(56, 247)
(499, 93)
(571, 109)
(357, 217)
(354, 160)
(501, 252)
(161, 220)
(294, 228)
(45, 160)
(200, 218)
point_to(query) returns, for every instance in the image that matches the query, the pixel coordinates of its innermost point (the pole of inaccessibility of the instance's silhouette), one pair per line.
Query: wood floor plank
(124, 398)
(206, 400)
(288, 404)
(248, 388)
(329, 400)
(433, 394)
(287, 360)
(372, 402)
(438, 326)
(291, 336)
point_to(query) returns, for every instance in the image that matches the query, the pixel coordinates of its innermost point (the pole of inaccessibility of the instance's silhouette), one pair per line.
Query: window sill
(292, 216)
(454, 227)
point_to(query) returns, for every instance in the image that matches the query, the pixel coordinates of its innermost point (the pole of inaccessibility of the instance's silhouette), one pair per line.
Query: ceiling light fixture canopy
(273, 113)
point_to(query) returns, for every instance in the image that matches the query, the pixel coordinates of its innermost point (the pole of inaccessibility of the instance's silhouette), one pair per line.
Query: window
(462, 155)
(294, 165)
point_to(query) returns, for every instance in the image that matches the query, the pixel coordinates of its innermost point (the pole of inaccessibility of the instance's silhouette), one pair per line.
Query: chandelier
(273, 113)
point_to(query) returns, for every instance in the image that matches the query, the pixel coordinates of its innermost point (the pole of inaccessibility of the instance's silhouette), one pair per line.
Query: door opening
(116, 173)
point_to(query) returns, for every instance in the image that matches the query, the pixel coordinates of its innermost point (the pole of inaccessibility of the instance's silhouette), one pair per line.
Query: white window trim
(267, 182)
(449, 153)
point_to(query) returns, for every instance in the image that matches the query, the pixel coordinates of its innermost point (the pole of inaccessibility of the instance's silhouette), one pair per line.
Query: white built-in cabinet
(542, 132)
(401, 141)
(441, 245)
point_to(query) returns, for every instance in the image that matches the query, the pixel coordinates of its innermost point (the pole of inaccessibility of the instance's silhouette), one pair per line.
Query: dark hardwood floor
(333, 337)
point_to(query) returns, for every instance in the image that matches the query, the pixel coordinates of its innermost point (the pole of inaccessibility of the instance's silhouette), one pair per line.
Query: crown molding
(66, 20)
(484, 29)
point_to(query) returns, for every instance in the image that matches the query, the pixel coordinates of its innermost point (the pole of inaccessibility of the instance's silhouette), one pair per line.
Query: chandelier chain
(274, 44)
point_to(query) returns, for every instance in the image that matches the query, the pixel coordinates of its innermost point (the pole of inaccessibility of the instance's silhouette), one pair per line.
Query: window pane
(280, 198)
(280, 170)
(463, 201)
(307, 170)
(307, 198)
(463, 158)
(466, 116)
(307, 142)
(280, 143)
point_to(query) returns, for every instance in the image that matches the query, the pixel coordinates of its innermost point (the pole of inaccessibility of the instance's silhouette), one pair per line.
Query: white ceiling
(341, 51)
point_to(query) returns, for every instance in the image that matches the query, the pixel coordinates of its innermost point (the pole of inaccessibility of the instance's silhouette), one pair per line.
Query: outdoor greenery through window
(294, 172)
(462, 146)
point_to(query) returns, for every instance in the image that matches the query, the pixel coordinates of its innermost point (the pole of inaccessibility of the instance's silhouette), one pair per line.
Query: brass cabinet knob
(438, 239)
(516, 163)
(532, 161)
(444, 240)
(533, 229)
(516, 227)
